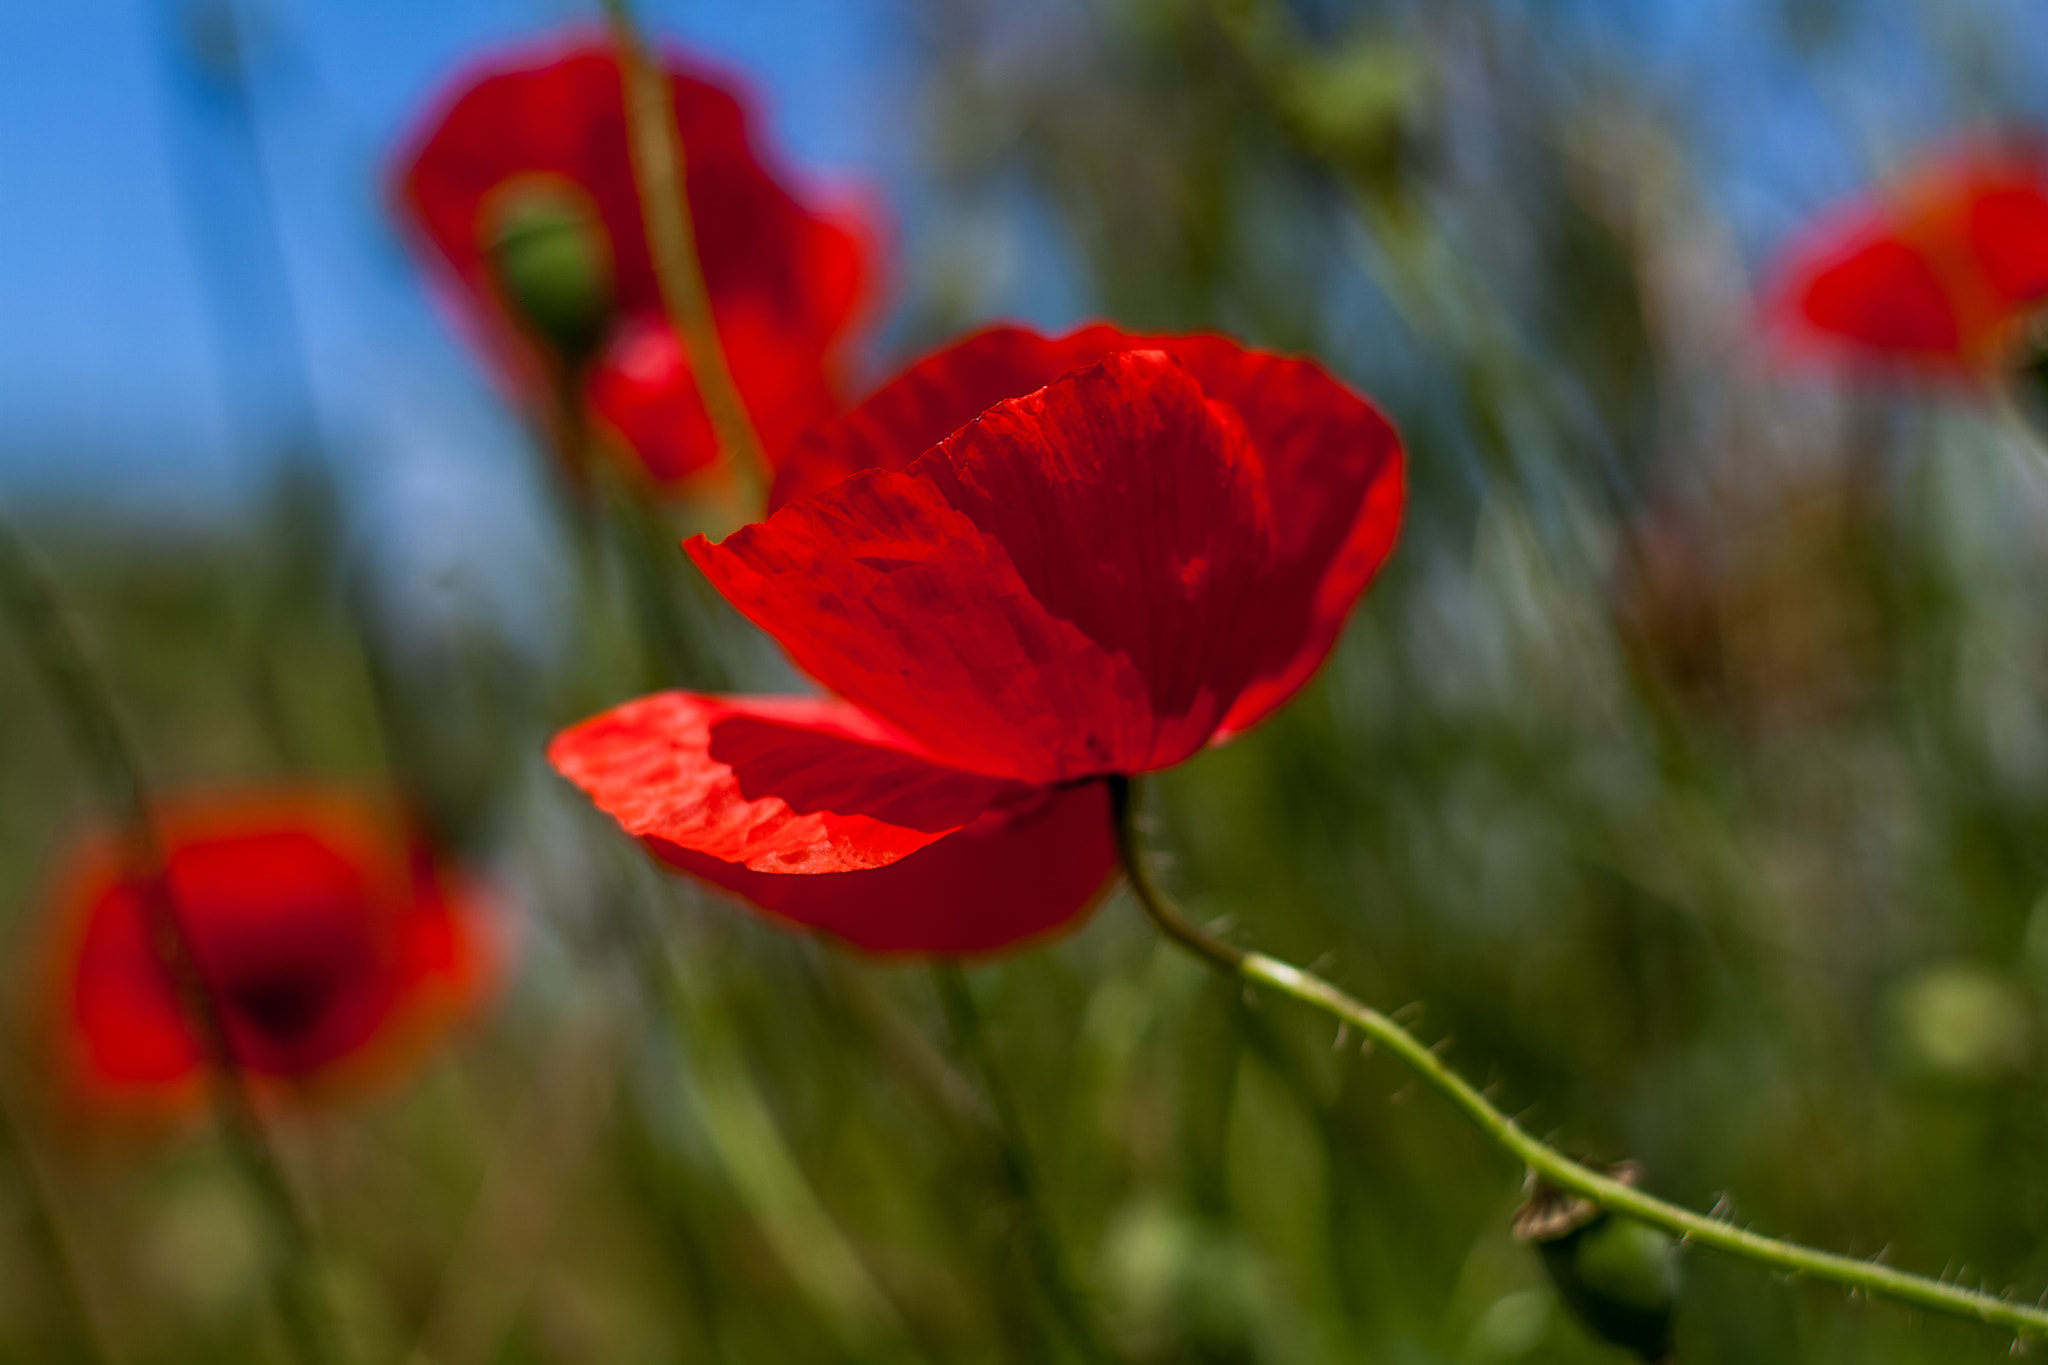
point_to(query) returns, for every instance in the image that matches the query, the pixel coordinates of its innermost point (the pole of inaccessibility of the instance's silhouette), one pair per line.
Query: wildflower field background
(1684, 773)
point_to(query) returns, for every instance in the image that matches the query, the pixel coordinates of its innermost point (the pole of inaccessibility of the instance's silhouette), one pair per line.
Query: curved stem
(54, 652)
(1551, 1164)
(671, 241)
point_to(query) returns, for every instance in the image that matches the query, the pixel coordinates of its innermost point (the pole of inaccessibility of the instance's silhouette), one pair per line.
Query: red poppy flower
(1936, 277)
(333, 945)
(1025, 565)
(546, 127)
(641, 390)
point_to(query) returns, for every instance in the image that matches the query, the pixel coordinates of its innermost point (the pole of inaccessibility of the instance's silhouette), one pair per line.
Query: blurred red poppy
(1025, 565)
(1936, 277)
(522, 185)
(333, 944)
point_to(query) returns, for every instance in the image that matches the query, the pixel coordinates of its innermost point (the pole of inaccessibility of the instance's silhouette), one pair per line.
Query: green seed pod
(1620, 1277)
(552, 261)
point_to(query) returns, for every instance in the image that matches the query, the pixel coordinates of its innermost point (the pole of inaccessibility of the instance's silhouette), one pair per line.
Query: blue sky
(132, 211)
(131, 222)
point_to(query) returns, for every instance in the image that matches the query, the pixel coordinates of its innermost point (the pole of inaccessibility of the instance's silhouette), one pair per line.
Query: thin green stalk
(1040, 1245)
(651, 562)
(604, 497)
(502, 1252)
(1432, 292)
(751, 1147)
(658, 169)
(54, 652)
(1790, 1258)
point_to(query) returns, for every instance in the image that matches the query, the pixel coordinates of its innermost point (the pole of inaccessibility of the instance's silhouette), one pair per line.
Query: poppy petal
(333, 943)
(1072, 585)
(1024, 869)
(1335, 477)
(1333, 464)
(785, 280)
(1935, 273)
(642, 388)
(1885, 295)
(787, 785)
(937, 396)
(2008, 231)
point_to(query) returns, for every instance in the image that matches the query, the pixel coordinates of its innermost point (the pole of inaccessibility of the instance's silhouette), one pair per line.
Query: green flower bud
(1619, 1277)
(552, 261)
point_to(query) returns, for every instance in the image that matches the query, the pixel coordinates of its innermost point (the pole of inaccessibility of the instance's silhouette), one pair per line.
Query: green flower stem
(54, 652)
(606, 498)
(672, 242)
(1790, 1258)
(1041, 1247)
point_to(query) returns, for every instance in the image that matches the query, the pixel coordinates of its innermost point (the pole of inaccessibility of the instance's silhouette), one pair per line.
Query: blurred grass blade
(505, 1246)
(55, 653)
(1070, 1307)
(749, 1143)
